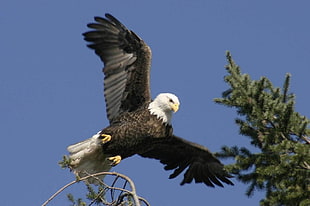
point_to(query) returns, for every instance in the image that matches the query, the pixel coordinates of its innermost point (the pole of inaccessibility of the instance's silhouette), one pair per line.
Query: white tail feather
(87, 158)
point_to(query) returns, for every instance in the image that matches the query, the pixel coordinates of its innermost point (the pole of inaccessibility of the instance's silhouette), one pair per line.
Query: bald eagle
(138, 124)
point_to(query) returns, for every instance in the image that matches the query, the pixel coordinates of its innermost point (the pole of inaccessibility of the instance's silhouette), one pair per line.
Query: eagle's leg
(106, 138)
(115, 160)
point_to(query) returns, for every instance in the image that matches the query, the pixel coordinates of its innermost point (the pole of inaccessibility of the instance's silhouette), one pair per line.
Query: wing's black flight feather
(126, 61)
(179, 154)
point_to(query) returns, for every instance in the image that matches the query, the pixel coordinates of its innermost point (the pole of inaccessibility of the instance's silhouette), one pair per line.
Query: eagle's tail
(87, 158)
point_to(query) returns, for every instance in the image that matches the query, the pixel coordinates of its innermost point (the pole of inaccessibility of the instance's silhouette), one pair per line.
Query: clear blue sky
(51, 84)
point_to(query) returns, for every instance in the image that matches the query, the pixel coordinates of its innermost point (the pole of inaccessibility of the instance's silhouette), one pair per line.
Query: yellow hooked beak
(175, 107)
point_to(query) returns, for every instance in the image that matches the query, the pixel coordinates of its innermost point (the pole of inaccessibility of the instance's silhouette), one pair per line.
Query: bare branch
(131, 193)
(307, 139)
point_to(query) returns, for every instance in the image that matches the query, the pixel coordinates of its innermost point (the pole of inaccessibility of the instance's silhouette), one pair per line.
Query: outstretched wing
(178, 154)
(127, 61)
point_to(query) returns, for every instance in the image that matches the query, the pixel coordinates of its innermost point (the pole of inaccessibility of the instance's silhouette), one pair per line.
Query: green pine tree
(266, 115)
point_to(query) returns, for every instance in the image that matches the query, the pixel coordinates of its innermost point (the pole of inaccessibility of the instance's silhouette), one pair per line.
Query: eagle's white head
(164, 105)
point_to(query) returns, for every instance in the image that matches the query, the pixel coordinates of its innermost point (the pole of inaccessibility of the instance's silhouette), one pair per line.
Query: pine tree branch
(281, 168)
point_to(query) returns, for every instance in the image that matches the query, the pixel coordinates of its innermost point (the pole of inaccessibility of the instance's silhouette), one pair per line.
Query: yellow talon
(106, 138)
(115, 160)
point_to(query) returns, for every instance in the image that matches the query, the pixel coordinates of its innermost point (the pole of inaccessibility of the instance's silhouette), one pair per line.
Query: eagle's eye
(170, 100)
